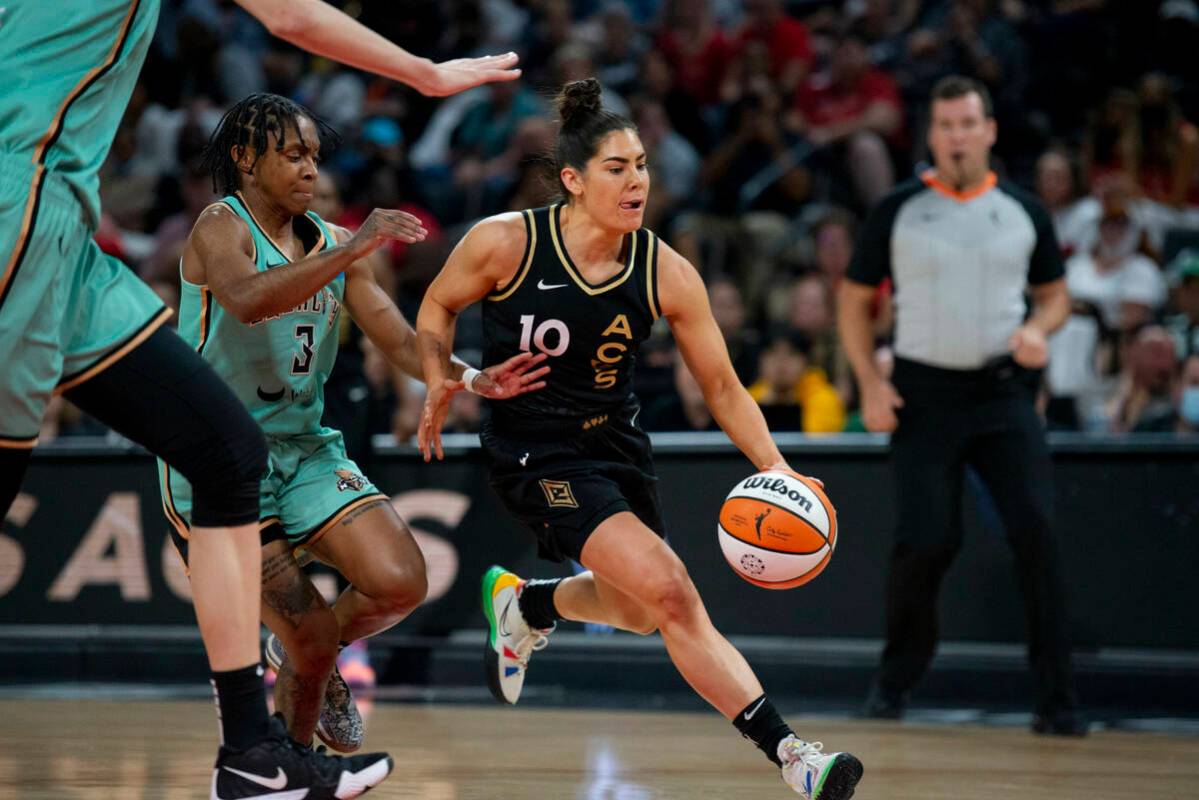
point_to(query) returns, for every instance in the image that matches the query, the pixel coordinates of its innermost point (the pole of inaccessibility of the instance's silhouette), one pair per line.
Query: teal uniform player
(277, 367)
(67, 310)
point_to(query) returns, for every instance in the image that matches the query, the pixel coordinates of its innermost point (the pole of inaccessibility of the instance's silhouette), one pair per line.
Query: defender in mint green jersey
(277, 366)
(265, 282)
(67, 310)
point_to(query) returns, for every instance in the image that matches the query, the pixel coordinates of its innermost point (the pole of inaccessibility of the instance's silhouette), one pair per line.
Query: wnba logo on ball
(777, 485)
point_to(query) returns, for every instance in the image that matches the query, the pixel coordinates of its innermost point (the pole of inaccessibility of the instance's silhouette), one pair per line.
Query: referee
(962, 249)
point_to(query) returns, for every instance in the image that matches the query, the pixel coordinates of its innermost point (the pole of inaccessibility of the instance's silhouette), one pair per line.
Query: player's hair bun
(579, 100)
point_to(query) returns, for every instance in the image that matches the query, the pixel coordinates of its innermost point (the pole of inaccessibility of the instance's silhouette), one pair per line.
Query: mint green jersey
(278, 366)
(68, 70)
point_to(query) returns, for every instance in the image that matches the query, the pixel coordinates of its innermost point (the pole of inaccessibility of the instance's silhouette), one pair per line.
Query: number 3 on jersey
(536, 336)
(302, 362)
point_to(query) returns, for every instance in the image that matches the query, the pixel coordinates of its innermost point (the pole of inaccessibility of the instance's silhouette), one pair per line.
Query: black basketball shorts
(563, 489)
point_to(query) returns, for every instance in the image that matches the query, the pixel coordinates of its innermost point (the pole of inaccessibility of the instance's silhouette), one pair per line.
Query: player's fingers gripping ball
(777, 529)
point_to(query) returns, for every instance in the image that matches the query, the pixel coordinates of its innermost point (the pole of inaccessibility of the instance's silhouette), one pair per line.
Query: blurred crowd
(771, 127)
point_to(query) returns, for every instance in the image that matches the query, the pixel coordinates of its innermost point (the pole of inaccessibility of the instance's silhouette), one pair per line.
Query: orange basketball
(777, 529)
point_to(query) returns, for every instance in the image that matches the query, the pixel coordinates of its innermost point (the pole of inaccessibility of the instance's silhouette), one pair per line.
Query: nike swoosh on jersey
(270, 397)
(277, 782)
(542, 285)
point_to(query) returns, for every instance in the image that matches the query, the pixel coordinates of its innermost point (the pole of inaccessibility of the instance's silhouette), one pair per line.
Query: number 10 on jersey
(531, 336)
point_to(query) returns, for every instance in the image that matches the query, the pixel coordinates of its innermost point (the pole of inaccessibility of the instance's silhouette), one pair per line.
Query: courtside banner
(86, 542)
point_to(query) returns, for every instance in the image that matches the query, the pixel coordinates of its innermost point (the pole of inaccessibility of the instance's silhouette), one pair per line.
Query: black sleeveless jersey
(591, 332)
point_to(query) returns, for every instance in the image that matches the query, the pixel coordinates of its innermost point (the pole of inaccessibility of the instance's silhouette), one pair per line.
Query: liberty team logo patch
(349, 482)
(558, 494)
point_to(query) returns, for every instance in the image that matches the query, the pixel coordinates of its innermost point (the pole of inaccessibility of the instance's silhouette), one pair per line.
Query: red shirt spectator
(787, 41)
(824, 103)
(699, 59)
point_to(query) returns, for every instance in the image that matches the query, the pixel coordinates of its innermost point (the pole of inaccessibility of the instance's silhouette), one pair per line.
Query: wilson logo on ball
(777, 485)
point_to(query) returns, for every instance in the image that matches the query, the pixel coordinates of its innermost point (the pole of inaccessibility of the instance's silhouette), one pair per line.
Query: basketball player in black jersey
(582, 281)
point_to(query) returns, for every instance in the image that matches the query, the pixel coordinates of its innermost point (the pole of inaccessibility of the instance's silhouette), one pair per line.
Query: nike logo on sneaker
(277, 782)
(504, 619)
(542, 285)
(808, 782)
(750, 714)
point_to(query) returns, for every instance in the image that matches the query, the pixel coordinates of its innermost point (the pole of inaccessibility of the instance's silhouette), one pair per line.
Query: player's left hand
(1029, 348)
(432, 417)
(451, 77)
(513, 377)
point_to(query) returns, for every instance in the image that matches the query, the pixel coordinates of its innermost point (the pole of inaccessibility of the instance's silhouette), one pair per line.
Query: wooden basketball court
(141, 750)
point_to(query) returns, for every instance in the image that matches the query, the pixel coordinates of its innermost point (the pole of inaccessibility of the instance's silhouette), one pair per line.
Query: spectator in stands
(686, 114)
(1169, 146)
(683, 409)
(482, 138)
(162, 263)
(1188, 396)
(554, 27)
(1145, 401)
(673, 162)
(1185, 324)
(792, 395)
(620, 48)
(1058, 192)
(753, 183)
(853, 109)
(741, 339)
(832, 242)
(696, 49)
(810, 313)
(1115, 276)
(787, 42)
(1112, 141)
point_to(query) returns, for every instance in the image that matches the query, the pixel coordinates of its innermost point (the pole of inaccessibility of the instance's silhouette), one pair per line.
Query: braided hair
(584, 122)
(247, 125)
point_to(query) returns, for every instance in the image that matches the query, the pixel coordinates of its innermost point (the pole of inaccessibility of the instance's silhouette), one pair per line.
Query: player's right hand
(879, 402)
(384, 225)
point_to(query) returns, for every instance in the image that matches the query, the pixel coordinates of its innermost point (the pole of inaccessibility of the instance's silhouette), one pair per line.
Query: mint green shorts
(67, 310)
(310, 486)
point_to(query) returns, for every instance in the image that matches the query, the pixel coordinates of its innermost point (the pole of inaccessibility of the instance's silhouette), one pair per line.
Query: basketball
(777, 529)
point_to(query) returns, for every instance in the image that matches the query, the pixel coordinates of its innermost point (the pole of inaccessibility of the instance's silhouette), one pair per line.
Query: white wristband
(468, 378)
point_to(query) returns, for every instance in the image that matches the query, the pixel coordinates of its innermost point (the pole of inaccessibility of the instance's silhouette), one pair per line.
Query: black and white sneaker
(279, 769)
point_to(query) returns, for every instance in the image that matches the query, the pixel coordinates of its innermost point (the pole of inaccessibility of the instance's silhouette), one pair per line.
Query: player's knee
(312, 646)
(673, 598)
(225, 488)
(402, 589)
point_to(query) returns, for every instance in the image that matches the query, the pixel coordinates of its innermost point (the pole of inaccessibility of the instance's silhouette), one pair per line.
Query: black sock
(761, 724)
(537, 603)
(241, 706)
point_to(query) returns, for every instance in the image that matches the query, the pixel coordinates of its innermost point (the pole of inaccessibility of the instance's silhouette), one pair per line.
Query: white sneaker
(510, 641)
(817, 776)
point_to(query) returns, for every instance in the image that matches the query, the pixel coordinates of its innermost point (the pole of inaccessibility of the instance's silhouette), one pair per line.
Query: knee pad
(226, 485)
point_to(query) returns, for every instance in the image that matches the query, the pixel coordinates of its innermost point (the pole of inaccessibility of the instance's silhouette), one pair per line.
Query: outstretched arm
(221, 244)
(488, 256)
(685, 306)
(319, 28)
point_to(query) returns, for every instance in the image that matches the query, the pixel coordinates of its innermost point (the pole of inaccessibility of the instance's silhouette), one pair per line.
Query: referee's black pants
(985, 419)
